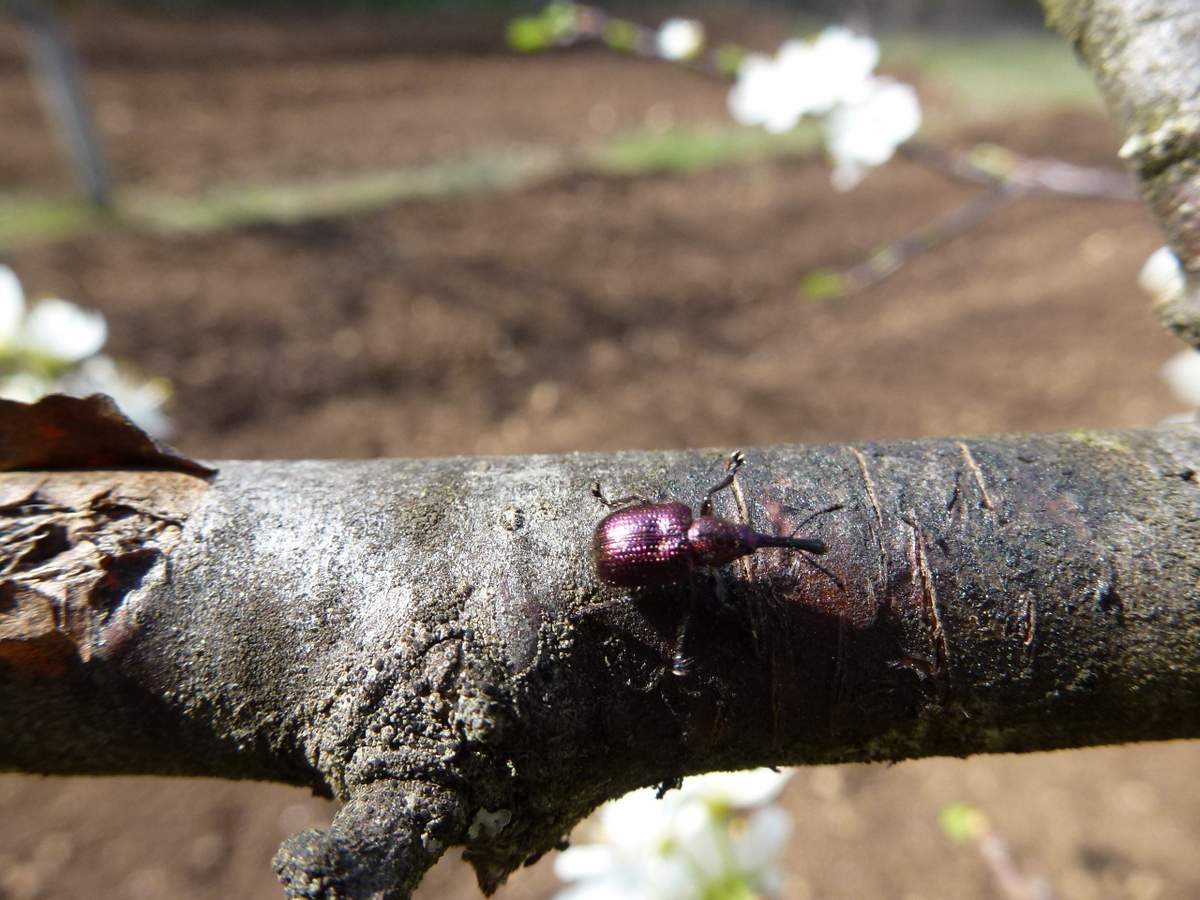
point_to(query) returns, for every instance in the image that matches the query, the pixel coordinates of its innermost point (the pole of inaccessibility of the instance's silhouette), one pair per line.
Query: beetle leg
(735, 461)
(613, 504)
(681, 664)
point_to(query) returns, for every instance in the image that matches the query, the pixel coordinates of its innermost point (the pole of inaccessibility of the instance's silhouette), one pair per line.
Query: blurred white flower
(1162, 275)
(866, 131)
(1182, 375)
(679, 39)
(64, 331)
(684, 846)
(740, 790)
(846, 58)
(803, 78)
(55, 328)
(25, 387)
(141, 400)
(763, 96)
(54, 347)
(12, 306)
(866, 117)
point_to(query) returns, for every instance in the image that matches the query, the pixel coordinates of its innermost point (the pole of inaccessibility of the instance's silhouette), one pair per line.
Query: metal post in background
(57, 75)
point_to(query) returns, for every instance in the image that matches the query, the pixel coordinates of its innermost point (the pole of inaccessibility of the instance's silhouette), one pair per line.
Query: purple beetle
(648, 544)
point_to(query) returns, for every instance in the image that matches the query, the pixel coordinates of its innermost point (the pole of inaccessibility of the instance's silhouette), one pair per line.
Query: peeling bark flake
(62, 432)
(71, 554)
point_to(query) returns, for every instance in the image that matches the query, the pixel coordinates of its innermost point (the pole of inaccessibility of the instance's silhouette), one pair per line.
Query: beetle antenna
(805, 556)
(817, 515)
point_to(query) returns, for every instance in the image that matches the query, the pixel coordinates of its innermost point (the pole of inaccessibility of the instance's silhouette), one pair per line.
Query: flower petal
(1182, 375)
(679, 39)
(760, 96)
(766, 834)
(12, 305)
(1162, 276)
(63, 330)
(584, 861)
(638, 821)
(737, 789)
(141, 401)
(846, 60)
(25, 387)
(868, 131)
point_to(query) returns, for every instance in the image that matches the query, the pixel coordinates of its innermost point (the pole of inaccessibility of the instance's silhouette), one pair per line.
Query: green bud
(823, 284)
(528, 35)
(728, 58)
(561, 20)
(620, 35)
(962, 822)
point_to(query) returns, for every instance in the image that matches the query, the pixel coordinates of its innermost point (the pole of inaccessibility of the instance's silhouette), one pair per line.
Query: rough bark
(1143, 55)
(427, 638)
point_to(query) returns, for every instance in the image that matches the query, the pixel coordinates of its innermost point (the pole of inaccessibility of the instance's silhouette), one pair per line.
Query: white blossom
(54, 347)
(12, 306)
(740, 790)
(762, 96)
(54, 328)
(1162, 275)
(25, 387)
(63, 331)
(803, 78)
(679, 39)
(139, 399)
(866, 131)
(1182, 375)
(680, 847)
(866, 117)
(846, 58)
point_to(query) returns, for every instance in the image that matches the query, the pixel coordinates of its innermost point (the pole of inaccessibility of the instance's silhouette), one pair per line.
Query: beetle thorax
(715, 541)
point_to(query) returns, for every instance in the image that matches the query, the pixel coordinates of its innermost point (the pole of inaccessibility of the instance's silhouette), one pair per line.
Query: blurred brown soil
(588, 313)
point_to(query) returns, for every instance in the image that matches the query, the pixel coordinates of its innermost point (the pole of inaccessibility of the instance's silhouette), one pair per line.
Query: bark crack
(939, 644)
(877, 528)
(985, 498)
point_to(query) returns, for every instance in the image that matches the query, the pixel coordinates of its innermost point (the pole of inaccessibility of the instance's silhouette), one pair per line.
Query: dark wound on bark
(388, 632)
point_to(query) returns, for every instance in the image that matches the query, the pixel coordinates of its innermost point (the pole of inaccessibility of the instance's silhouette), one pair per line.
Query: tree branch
(427, 638)
(1143, 56)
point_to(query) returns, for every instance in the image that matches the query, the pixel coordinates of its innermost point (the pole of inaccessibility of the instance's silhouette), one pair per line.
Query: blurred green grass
(33, 220)
(969, 80)
(293, 202)
(695, 149)
(994, 77)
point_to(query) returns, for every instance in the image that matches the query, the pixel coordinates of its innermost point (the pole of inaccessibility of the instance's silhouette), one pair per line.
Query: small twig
(594, 25)
(965, 824)
(1009, 176)
(989, 164)
(884, 262)
(1012, 881)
